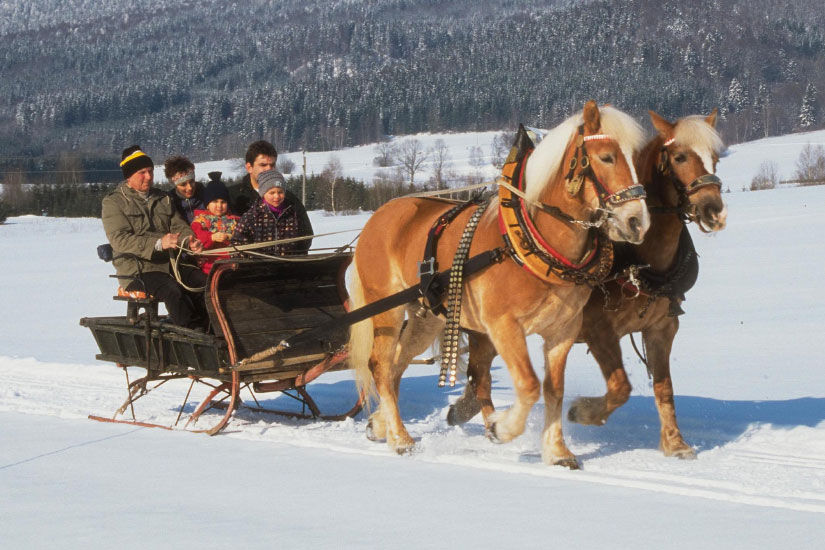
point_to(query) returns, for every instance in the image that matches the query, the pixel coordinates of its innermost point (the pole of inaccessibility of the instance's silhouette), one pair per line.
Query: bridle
(684, 208)
(574, 181)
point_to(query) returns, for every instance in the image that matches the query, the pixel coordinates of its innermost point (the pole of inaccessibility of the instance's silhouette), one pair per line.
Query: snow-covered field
(736, 170)
(747, 368)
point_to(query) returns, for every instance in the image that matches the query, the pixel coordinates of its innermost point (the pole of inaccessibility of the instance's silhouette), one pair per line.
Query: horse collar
(530, 250)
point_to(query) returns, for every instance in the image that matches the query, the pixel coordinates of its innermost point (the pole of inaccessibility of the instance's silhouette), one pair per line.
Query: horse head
(688, 152)
(597, 148)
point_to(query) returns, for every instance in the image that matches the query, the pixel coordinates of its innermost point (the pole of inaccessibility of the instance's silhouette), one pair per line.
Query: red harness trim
(535, 233)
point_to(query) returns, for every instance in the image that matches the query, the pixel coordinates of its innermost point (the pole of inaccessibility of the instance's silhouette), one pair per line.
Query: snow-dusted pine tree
(807, 115)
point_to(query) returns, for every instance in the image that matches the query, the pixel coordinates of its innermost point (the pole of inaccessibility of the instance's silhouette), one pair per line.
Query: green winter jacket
(133, 226)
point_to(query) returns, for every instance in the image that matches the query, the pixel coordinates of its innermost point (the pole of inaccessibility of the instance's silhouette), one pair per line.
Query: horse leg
(416, 337)
(476, 396)
(386, 421)
(604, 345)
(659, 341)
(554, 451)
(508, 338)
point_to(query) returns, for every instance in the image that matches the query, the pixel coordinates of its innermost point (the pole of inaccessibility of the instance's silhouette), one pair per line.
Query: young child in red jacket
(214, 226)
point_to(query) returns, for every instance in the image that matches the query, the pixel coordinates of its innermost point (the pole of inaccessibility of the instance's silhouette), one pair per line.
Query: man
(144, 230)
(187, 194)
(261, 157)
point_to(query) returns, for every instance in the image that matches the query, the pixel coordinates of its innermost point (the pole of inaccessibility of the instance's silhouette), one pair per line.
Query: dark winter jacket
(186, 207)
(133, 225)
(260, 224)
(242, 197)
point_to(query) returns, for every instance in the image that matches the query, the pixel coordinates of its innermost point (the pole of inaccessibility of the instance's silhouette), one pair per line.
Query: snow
(737, 169)
(747, 372)
(357, 162)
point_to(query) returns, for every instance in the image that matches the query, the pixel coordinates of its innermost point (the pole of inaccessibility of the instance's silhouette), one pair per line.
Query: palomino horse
(504, 302)
(676, 168)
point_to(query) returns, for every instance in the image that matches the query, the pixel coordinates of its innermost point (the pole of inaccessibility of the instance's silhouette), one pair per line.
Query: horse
(506, 301)
(677, 169)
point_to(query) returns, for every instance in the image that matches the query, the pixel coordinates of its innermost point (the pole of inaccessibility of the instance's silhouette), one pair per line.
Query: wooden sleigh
(252, 304)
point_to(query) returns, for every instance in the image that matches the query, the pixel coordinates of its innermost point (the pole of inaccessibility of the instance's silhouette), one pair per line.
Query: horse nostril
(634, 224)
(711, 212)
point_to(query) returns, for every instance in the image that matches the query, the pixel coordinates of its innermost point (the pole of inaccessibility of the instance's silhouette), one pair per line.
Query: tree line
(325, 74)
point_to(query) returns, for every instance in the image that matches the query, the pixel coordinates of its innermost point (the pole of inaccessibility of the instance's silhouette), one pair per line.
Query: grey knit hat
(269, 179)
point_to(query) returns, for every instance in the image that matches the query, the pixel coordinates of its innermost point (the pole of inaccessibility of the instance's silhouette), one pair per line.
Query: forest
(83, 79)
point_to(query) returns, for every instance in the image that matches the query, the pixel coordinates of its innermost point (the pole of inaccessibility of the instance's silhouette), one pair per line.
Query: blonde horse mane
(546, 160)
(695, 133)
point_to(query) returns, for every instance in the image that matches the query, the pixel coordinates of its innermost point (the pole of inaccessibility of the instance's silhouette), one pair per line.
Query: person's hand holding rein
(195, 245)
(170, 240)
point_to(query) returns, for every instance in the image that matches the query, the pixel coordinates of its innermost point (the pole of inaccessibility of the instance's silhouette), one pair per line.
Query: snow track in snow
(735, 472)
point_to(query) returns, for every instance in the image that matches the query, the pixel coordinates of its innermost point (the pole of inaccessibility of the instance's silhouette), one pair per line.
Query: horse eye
(607, 159)
(681, 157)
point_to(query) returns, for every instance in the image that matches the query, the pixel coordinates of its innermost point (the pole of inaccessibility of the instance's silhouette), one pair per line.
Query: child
(273, 218)
(214, 226)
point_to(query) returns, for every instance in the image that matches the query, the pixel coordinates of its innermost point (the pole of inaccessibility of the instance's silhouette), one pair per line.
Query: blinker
(574, 184)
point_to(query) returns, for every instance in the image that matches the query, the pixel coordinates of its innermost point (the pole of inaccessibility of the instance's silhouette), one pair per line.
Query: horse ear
(662, 126)
(592, 119)
(711, 118)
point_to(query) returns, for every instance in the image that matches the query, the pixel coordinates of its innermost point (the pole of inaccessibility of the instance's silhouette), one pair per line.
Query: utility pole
(304, 181)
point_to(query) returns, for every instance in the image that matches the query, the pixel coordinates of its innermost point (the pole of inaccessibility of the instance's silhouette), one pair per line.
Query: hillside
(204, 78)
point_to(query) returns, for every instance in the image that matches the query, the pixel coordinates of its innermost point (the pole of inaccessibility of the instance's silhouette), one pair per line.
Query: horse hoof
(490, 432)
(570, 463)
(370, 432)
(462, 411)
(456, 415)
(405, 449)
(684, 454)
(452, 418)
(583, 411)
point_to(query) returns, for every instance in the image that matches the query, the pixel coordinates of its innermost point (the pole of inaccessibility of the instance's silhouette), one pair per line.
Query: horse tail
(360, 342)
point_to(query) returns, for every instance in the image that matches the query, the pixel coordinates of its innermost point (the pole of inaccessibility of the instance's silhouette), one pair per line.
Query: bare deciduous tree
(440, 154)
(13, 194)
(477, 157)
(412, 155)
(810, 166)
(285, 165)
(767, 177)
(331, 174)
(69, 169)
(385, 154)
(499, 149)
